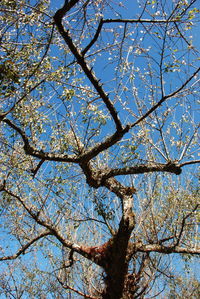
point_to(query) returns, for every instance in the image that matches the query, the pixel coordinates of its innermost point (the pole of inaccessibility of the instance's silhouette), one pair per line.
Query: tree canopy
(99, 144)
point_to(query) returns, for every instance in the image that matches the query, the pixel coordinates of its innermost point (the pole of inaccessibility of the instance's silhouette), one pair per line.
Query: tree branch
(29, 150)
(183, 225)
(166, 250)
(150, 21)
(171, 167)
(25, 247)
(94, 38)
(66, 7)
(163, 99)
(35, 170)
(3, 115)
(83, 64)
(189, 163)
(67, 287)
(86, 156)
(91, 253)
(108, 142)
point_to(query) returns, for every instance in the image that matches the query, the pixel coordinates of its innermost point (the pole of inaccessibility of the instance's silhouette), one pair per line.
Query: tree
(99, 148)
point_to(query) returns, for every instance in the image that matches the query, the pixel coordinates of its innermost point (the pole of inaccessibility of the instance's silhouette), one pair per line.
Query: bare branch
(182, 36)
(35, 170)
(85, 251)
(189, 142)
(67, 287)
(183, 225)
(23, 249)
(86, 156)
(171, 167)
(3, 115)
(150, 21)
(189, 163)
(94, 38)
(29, 150)
(108, 142)
(87, 70)
(163, 99)
(167, 250)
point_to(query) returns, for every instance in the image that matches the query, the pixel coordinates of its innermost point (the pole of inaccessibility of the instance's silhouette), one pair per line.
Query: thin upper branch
(183, 225)
(3, 115)
(23, 249)
(68, 287)
(163, 99)
(154, 21)
(94, 38)
(189, 163)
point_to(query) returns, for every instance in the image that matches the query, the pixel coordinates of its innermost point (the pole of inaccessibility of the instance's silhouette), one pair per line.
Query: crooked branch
(83, 64)
(94, 38)
(29, 150)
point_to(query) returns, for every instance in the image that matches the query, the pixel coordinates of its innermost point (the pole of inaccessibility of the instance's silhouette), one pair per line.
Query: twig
(94, 38)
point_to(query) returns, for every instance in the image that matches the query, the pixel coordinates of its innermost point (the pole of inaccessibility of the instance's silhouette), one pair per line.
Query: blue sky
(137, 53)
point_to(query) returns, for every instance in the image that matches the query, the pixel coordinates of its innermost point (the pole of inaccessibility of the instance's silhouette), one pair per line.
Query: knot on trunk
(173, 167)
